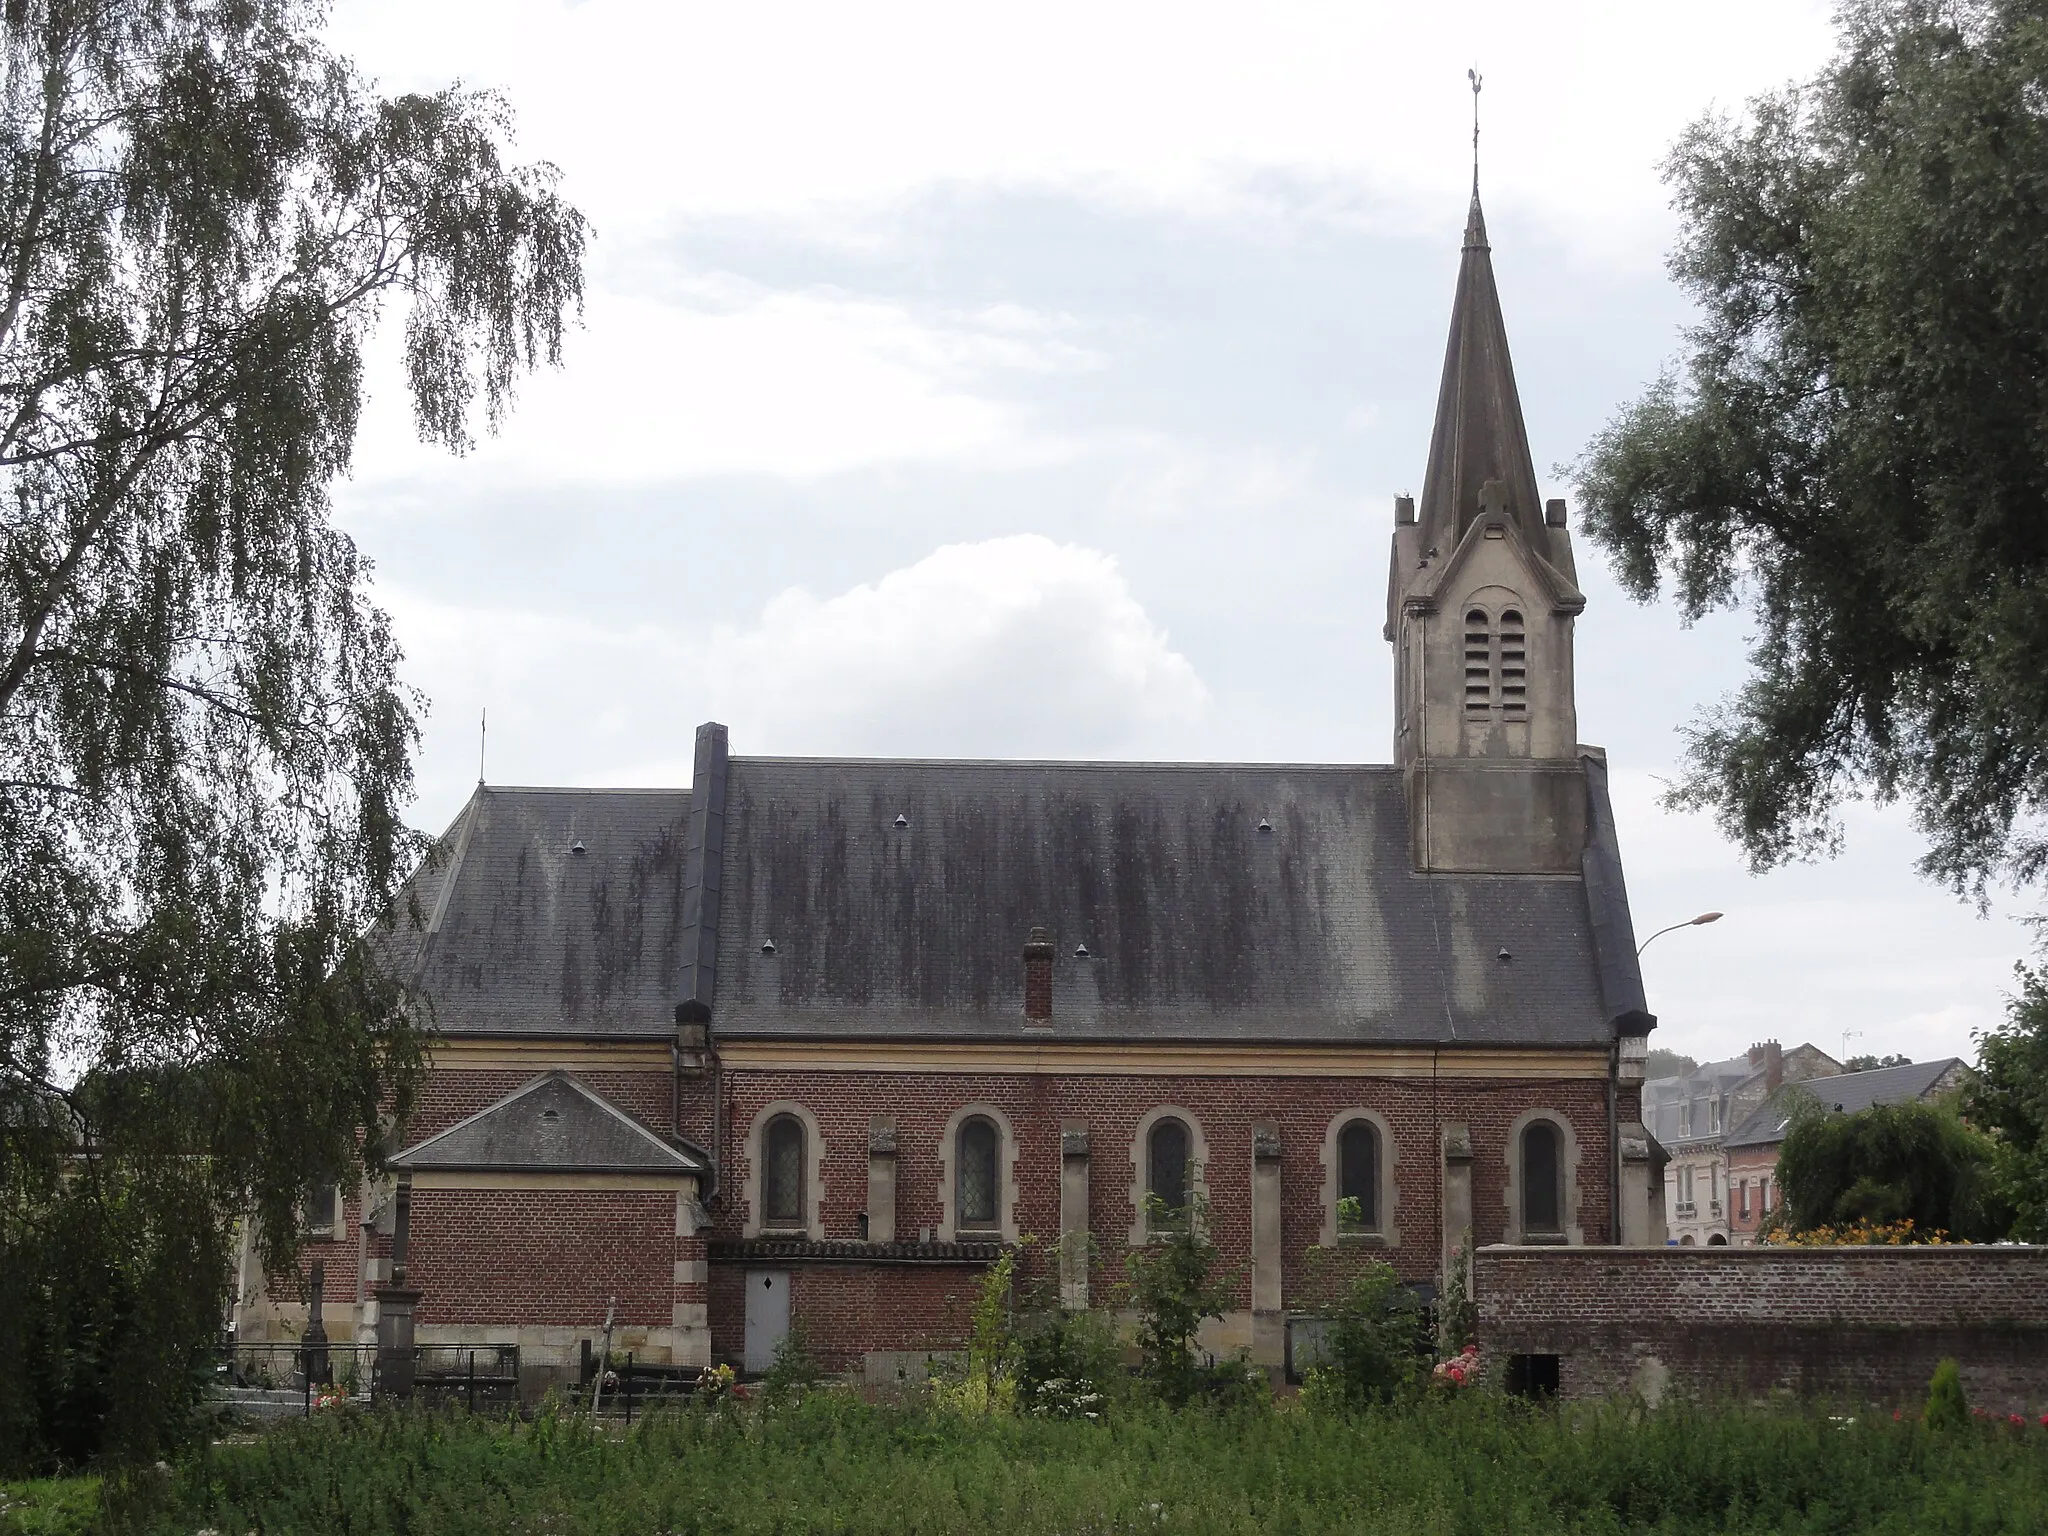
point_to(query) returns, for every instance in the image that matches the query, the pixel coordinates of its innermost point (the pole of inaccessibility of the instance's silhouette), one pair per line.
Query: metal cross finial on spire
(1477, 80)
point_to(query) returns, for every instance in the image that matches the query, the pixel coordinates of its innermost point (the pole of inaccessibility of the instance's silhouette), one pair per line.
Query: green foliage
(794, 1370)
(989, 1382)
(1667, 1063)
(1174, 1284)
(204, 745)
(1912, 1162)
(2008, 1098)
(1946, 1407)
(1875, 1063)
(1854, 444)
(1070, 1364)
(1440, 1463)
(50, 1507)
(1374, 1342)
(1457, 1316)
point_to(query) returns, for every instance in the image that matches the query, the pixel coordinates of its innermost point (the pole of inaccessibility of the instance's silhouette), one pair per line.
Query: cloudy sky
(1035, 380)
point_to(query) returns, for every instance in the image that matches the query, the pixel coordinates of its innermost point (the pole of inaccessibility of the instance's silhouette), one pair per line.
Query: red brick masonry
(1855, 1324)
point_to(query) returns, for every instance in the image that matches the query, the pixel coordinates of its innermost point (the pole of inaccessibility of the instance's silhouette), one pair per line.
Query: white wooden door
(767, 1316)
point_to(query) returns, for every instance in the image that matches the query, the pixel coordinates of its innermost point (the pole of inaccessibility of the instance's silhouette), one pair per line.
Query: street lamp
(1690, 922)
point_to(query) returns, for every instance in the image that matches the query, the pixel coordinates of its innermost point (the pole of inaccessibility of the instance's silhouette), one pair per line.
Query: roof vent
(902, 820)
(1081, 952)
(767, 946)
(577, 848)
(1504, 955)
(1265, 825)
(551, 1114)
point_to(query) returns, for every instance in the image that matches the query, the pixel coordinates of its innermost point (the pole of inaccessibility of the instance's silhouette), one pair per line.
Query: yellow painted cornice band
(1082, 1059)
(1079, 1058)
(485, 1178)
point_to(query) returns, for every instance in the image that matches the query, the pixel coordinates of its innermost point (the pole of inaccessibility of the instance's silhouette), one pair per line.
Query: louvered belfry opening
(1496, 664)
(1514, 666)
(1478, 662)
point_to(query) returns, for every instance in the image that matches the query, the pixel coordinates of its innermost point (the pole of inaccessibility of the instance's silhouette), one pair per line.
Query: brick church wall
(547, 1258)
(849, 1310)
(1856, 1324)
(858, 1310)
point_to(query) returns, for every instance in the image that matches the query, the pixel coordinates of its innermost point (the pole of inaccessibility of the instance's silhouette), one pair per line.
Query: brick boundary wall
(1864, 1325)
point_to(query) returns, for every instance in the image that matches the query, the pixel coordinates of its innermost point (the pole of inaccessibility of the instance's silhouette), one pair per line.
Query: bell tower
(1481, 596)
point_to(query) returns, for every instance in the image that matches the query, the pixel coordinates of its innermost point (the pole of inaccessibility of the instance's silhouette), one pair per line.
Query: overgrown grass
(1468, 1465)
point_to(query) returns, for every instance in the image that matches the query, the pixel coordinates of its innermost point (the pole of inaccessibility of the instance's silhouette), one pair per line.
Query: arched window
(782, 1191)
(1358, 1177)
(1542, 1181)
(1166, 1163)
(975, 1176)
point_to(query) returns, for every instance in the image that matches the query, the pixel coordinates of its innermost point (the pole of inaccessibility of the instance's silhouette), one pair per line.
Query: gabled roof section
(1847, 1093)
(553, 1124)
(550, 912)
(1186, 903)
(1479, 434)
(1563, 594)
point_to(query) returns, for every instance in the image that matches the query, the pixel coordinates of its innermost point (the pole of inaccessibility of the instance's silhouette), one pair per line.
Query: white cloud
(721, 376)
(1012, 647)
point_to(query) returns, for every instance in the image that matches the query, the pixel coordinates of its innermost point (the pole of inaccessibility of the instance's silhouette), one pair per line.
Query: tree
(204, 745)
(1855, 440)
(1914, 1162)
(1664, 1063)
(1174, 1284)
(1875, 1063)
(2009, 1099)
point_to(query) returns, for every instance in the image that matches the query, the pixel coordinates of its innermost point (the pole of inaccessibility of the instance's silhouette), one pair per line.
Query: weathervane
(1477, 80)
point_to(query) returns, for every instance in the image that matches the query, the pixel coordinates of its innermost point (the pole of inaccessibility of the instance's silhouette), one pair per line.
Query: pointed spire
(1479, 434)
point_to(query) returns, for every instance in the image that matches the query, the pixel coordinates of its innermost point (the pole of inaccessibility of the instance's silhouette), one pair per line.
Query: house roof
(553, 1124)
(1199, 925)
(1847, 1092)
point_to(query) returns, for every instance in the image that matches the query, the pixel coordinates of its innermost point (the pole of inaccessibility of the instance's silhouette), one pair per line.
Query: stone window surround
(814, 1171)
(1198, 1164)
(1006, 1174)
(1387, 1234)
(1568, 1159)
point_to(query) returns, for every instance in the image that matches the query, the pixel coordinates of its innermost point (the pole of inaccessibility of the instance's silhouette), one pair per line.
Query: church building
(810, 1043)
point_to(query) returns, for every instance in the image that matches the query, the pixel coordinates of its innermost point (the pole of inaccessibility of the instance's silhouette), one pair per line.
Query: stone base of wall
(1852, 1325)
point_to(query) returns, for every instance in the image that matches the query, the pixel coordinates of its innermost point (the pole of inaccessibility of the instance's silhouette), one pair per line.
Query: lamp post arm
(1653, 938)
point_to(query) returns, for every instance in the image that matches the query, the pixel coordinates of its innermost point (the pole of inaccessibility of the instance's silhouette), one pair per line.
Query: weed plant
(827, 1462)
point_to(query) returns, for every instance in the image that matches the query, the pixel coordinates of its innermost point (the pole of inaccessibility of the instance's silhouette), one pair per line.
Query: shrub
(1174, 1285)
(1069, 1364)
(1376, 1342)
(1946, 1406)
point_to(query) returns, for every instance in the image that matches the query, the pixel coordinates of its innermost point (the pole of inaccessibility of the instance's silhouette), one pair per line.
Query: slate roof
(523, 935)
(553, 1124)
(1198, 925)
(1848, 1093)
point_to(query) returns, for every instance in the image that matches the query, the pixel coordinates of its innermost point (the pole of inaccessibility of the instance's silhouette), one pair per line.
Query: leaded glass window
(783, 1194)
(1167, 1164)
(1542, 1192)
(975, 1175)
(1358, 1177)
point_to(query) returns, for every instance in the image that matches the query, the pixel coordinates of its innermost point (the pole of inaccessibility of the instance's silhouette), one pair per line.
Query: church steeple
(1481, 598)
(1479, 435)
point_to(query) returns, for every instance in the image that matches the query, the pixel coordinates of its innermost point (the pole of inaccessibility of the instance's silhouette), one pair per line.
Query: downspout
(1613, 1145)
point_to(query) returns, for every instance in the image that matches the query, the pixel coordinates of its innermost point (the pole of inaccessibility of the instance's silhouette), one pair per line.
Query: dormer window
(1496, 664)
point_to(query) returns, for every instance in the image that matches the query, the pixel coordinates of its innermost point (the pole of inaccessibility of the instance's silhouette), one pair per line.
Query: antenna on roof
(483, 728)
(1477, 80)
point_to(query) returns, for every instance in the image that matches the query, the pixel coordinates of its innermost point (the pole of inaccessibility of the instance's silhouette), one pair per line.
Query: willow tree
(1854, 443)
(205, 746)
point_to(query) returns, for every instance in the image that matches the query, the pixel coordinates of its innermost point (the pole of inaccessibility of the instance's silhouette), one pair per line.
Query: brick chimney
(1038, 977)
(1771, 1057)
